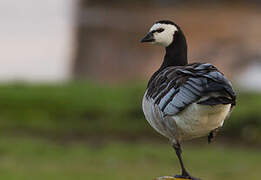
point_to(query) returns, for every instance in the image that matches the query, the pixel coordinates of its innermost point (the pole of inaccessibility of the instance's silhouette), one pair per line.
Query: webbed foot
(185, 177)
(212, 135)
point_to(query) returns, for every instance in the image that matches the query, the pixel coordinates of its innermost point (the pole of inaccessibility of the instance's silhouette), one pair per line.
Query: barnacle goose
(184, 101)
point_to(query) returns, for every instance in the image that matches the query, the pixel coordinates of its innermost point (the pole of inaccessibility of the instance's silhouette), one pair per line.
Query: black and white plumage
(184, 101)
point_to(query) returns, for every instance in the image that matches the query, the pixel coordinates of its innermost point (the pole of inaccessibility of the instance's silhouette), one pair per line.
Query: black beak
(148, 38)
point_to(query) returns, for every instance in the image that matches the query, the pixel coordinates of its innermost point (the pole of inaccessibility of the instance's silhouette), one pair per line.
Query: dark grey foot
(212, 135)
(186, 177)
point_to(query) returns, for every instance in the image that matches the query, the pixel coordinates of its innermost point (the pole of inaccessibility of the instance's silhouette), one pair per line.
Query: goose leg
(184, 173)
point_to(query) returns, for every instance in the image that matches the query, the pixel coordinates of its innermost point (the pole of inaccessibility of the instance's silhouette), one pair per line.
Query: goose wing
(175, 88)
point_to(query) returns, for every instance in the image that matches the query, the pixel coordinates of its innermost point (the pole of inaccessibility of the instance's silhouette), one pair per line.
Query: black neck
(176, 52)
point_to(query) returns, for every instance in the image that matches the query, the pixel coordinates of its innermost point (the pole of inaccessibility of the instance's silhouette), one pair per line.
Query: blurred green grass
(82, 108)
(30, 159)
(88, 109)
(43, 127)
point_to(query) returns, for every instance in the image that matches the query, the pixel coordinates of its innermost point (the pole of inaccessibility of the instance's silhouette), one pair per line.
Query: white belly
(194, 121)
(198, 120)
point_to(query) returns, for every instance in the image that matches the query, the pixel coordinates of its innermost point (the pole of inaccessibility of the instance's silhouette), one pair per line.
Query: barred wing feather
(174, 88)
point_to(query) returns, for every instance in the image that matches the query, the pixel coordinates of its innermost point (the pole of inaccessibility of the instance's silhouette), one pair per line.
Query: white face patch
(165, 37)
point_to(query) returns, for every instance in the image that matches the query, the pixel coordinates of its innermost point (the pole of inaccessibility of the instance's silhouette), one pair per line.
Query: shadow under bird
(184, 101)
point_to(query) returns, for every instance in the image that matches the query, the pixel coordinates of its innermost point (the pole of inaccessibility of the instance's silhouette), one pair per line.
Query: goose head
(161, 33)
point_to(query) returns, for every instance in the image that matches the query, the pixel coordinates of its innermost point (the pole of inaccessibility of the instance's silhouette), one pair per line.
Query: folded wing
(174, 88)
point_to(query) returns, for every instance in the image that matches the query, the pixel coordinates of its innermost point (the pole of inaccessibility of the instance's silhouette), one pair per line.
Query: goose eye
(160, 30)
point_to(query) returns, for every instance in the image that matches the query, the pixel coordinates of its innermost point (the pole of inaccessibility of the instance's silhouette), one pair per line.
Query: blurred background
(73, 74)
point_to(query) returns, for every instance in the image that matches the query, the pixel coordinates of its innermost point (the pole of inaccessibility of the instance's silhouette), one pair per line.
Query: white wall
(250, 79)
(36, 39)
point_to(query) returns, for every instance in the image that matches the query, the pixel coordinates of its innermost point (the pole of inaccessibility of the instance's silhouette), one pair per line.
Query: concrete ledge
(169, 178)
